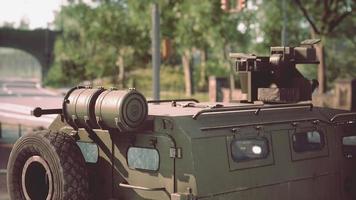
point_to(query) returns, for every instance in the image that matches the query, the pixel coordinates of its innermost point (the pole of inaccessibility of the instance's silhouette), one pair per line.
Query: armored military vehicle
(114, 144)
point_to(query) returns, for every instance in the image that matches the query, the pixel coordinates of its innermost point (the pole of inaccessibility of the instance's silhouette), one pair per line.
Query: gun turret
(275, 78)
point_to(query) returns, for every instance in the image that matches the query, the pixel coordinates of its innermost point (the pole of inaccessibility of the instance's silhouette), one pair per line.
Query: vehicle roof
(181, 108)
(282, 111)
(191, 108)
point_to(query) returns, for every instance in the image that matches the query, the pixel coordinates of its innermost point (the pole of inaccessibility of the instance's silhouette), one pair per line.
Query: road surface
(17, 99)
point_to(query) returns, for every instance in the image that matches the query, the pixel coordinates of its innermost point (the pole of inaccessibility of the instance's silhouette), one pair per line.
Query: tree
(9, 25)
(204, 27)
(190, 35)
(340, 48)
(73, 48)
(97, 41)
(111, 28)
(24, 23)
(112, 38)
(324, 17)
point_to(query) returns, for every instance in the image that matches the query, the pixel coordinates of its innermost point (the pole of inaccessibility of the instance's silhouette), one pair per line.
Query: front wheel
(47, 165)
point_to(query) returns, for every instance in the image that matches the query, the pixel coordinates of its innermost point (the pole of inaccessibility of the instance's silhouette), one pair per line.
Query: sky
(37, 12)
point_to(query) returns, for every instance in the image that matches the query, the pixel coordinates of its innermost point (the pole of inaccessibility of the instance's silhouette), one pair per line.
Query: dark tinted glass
(349, 140)
(308, 141)
(349, 146)
(249, 149)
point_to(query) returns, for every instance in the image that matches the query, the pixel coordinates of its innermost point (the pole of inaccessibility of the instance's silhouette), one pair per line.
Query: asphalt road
(17, 99)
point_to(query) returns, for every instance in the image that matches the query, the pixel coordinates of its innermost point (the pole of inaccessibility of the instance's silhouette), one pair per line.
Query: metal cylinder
(78, 107)
(125, 110)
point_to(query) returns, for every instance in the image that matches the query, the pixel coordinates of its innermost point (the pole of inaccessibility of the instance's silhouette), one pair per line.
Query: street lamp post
(156, 59)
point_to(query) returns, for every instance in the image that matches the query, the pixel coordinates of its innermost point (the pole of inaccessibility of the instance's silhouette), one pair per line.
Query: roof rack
(256, 108)
(171, 100)
(234, 126)
(345, 117)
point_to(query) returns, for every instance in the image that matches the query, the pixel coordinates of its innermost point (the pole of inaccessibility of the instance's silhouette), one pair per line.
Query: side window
(349, 146)
(89, 150)
(143, 158)
(349, 140)
(249, 149)
(308, 141)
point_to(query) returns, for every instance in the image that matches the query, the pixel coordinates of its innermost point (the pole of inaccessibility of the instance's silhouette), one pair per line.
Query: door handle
(125, 185)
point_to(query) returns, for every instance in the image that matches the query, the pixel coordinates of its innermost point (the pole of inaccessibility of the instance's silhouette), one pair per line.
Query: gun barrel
(38, 112)
(241, 56)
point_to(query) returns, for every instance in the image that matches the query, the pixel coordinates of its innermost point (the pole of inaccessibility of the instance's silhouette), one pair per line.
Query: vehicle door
(346, 135)
(312, 169)
(149, 168)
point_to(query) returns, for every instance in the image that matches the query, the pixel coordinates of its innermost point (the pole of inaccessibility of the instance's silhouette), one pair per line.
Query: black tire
(56, 162)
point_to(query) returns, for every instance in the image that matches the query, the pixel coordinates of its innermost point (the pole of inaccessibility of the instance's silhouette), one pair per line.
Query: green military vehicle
(113, 144)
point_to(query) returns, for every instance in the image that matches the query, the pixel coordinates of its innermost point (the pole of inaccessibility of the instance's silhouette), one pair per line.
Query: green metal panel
(195, 156)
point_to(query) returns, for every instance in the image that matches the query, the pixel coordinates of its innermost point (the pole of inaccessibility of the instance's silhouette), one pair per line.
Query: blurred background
(49, 46)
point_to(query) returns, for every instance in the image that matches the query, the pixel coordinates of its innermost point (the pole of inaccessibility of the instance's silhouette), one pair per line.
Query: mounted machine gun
(275, 78)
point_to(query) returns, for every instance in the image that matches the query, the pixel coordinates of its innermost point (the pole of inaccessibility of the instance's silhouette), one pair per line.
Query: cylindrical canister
(79, 105)
(125, 110)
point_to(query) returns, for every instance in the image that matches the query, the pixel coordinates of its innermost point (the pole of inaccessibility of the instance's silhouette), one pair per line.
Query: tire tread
(72, 163)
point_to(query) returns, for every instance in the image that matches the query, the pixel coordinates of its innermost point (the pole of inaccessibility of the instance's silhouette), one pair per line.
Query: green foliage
(340, 58)
(270, 20)
(324, 18)
(73, 48)
(95, 38)
(340, 49)
(171, 79)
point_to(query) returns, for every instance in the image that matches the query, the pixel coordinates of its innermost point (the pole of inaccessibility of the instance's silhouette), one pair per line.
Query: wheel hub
(37, 181)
